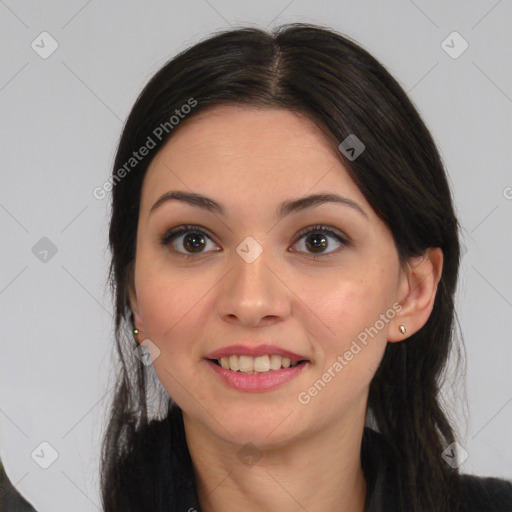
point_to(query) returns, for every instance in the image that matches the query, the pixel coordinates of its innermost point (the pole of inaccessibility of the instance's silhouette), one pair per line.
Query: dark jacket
(155, 462)
(481, 494)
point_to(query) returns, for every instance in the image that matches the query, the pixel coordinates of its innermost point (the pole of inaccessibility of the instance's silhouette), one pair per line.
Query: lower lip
(257, 382)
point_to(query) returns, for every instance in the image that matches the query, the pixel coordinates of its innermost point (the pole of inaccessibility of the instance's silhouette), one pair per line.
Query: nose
(253, 293)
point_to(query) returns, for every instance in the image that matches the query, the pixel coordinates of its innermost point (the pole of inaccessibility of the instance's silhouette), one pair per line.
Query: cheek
(347, 301)
(348, 317)
(352, 344)
(169, 304)
(173, 316)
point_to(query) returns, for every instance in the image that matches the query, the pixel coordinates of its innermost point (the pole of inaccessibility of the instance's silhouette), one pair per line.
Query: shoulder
(10, 499)
(470, 493)
(487, 494)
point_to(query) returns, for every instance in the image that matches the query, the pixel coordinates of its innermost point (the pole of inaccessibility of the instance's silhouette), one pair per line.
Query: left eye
(316, 239)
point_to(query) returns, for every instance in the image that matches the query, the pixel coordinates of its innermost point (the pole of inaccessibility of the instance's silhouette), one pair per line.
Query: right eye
(188, 237)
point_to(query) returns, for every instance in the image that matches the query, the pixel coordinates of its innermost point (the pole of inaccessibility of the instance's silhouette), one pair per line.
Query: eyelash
(171, 234)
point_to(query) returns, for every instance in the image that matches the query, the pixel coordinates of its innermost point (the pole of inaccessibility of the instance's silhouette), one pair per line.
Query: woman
(285, 249)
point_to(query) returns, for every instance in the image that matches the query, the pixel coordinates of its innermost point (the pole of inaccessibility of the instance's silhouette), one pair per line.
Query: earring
(136, 331)
(402, 329)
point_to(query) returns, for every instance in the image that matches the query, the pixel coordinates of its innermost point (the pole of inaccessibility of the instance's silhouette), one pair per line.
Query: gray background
(61, 119)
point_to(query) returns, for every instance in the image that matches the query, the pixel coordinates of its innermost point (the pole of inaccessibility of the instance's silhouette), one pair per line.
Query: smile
(260, 364)
(252, 375)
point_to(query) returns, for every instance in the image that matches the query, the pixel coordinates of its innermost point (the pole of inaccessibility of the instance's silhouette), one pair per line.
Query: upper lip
(254, 351)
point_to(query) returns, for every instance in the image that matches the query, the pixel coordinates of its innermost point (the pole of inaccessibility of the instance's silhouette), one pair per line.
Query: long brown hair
(341, 87)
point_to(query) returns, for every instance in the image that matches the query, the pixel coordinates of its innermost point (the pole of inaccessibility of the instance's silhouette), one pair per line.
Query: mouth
(258, 374)
(256, 365)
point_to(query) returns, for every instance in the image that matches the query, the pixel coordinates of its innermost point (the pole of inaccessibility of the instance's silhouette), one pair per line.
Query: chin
(269, 431)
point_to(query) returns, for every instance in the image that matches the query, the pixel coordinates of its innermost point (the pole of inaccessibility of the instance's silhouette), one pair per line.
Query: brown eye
(194, 242)
(319, 238)
(186, 240)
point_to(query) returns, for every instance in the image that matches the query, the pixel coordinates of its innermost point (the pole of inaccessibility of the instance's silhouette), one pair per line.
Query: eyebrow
(286, 208)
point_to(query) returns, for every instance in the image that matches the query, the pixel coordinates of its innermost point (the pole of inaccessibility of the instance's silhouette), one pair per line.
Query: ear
(416, 293)
(134, 306)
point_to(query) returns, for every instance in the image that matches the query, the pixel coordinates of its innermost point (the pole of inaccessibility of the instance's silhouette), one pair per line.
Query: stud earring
(136, 331)
(402, 329)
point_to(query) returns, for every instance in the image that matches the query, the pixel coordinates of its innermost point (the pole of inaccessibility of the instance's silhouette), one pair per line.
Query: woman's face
(254, 279)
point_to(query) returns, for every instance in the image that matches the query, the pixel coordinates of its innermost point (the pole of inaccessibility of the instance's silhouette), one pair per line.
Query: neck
(317, 472)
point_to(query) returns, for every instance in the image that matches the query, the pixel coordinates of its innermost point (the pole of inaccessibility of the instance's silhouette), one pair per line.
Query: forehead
(251, 132)
(256, 154)
(244, 121)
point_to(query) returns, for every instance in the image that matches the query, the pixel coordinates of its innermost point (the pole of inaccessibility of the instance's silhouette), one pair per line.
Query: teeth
(275, 362)
(260, 364)
(233, 363)
(246, 364)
